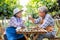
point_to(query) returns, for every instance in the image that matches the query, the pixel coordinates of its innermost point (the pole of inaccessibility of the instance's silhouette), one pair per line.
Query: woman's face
(19, 14)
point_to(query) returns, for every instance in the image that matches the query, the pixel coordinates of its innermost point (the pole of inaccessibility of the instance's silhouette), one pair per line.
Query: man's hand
(49, 29)
(30, 18)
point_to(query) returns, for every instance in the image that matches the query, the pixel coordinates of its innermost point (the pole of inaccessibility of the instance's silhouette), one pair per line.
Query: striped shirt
(16, 22)
(48, 20)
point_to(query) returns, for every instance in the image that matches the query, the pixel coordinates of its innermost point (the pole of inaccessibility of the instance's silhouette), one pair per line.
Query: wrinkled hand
(22, 27)
(49, 29)
(30, 17)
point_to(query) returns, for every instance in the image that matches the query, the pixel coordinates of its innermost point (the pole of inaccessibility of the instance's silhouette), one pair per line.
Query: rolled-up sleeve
(45, 24)
(37, 20)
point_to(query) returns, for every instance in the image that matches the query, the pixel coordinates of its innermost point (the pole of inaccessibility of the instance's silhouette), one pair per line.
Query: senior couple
(17, 22)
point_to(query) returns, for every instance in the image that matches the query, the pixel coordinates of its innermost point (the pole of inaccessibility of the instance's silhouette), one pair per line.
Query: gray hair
(43, 9)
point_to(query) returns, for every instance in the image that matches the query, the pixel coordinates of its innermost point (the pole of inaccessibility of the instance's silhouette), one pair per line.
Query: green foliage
(7, 6)
(33, 5)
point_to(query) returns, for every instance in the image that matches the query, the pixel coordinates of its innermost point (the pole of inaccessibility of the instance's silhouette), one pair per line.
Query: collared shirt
(16, 22)
(48, 20)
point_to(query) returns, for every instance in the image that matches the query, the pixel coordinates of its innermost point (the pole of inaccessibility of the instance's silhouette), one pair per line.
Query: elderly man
(44, 21)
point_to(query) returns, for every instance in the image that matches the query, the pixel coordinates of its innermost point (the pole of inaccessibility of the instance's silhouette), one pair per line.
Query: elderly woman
(15, 23)
(44, 21)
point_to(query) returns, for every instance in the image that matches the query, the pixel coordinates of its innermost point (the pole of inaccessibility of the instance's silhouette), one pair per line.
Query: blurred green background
(30, 7)
(7, 6)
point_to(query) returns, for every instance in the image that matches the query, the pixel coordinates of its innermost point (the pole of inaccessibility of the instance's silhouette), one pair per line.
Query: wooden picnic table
(29, 32)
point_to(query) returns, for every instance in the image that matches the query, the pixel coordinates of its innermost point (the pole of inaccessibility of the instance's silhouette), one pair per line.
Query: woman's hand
(23, 21)
(22, 27)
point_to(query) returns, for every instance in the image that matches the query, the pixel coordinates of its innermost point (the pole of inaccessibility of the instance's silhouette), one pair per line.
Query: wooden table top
(32, 31)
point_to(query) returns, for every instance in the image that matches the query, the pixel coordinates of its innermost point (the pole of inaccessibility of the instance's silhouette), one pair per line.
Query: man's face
(42, 14)
(19, 14)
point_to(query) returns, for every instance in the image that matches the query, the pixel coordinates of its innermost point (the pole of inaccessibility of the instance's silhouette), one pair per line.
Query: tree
(33, 6)
(7, 6)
